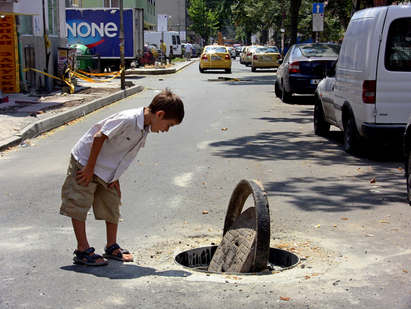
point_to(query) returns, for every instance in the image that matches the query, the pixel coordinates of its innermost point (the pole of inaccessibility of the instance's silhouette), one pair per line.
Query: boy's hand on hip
(84, 176)
(116, 184)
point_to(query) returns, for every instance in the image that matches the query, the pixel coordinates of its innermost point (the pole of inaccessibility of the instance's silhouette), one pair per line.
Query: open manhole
(245, 247)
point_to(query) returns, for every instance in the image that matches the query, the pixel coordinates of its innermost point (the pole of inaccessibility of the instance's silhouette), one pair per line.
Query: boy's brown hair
(170, 103)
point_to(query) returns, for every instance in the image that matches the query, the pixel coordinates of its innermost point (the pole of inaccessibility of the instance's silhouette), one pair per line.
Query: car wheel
(277, 90)
(351, 141)
(321, 127)
(228, 70)
(253, 69)
(286, 96)
(201, 70)
(408, 173)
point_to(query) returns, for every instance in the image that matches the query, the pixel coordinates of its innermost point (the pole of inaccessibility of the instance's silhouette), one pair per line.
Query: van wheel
(277, 90)
(321, 127)
(351, 142)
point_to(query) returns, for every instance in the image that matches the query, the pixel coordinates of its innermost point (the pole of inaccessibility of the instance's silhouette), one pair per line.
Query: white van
(171, 38)
(372, 88)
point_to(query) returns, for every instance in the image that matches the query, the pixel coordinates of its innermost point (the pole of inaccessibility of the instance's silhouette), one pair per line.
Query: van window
(174, 39)
(178, 40)
(398, 49)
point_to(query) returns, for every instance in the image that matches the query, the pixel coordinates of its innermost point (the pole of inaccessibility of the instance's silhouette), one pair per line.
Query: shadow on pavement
(119, 270)
(309, 152)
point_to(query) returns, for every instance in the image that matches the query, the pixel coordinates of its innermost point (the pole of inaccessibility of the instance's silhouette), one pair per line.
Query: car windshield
(266, 50)
(318, 50)
(215, 49)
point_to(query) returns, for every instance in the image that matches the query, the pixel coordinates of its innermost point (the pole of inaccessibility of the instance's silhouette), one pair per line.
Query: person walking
(188, 51)
(163, 48)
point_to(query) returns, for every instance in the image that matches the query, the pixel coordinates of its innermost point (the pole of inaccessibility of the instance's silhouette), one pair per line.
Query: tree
(205, 21)
(294, 9)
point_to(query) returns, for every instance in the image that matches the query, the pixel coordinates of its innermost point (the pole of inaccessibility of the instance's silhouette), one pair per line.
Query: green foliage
(256, 17)
(205, 21)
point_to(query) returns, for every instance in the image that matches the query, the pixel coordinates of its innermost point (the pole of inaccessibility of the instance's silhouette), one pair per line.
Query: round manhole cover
(236, 251)
(245, 247)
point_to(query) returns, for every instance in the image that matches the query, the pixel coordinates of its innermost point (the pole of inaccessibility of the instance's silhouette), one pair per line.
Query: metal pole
(123, 73)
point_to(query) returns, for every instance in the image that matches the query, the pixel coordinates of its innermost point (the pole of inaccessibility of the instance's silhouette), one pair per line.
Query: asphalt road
(350, 230)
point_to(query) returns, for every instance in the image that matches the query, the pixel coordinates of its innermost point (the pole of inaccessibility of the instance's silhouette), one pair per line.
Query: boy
(97, 162)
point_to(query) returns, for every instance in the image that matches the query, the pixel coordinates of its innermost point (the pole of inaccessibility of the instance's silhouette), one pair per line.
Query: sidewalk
(35, 106)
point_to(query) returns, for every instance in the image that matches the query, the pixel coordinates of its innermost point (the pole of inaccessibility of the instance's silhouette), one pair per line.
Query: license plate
(215, 58)
(315, 81)
(266, 58)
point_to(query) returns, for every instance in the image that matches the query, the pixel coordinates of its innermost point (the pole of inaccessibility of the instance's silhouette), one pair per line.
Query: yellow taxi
(215, 57)
(243, 54)
(265, 57)
(249, 54)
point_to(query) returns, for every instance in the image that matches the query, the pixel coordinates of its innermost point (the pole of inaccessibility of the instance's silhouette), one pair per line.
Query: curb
(159, 71)
(45, 125)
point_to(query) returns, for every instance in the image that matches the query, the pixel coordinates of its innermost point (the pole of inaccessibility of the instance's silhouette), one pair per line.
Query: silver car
(232, 52)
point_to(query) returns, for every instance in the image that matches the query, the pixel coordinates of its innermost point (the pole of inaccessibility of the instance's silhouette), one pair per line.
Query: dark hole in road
(199, 259)
(245, 247)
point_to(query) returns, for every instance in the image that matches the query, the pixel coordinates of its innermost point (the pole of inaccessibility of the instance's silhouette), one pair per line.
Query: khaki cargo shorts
(77, 200)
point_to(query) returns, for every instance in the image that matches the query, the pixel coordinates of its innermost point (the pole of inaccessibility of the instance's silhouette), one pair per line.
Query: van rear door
(393, 99)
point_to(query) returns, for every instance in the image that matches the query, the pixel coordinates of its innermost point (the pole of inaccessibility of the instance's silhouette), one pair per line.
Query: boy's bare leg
(82, 242)
(112, 239)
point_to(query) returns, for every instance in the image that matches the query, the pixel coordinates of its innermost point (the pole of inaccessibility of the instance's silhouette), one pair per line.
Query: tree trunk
(294, 9)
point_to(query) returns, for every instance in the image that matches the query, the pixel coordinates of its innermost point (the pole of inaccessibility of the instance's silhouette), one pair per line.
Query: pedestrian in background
(171, 55)
(189, 50)
(163, 48)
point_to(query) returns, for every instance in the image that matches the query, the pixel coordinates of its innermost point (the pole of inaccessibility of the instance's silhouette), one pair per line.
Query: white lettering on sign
(84, 29)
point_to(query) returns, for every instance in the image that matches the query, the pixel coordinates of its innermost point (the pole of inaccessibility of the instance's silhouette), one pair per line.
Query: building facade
(149, 6)
(39, 31)
(176, 10)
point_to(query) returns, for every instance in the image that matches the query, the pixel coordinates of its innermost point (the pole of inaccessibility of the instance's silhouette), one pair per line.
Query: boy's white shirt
(126, 135)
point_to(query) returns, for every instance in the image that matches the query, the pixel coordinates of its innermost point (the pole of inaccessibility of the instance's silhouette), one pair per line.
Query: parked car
(199, 49)
(265, 57)
(371, 97)
(215, 57)
(243, 54)
(149, 56)
(324, 99)
(231, 50)
(249, 54)
(303, 67)
(238, 50)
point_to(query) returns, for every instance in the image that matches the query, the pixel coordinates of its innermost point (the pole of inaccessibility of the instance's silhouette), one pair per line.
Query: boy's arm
(86, 173)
